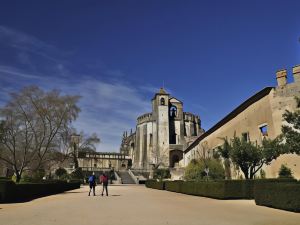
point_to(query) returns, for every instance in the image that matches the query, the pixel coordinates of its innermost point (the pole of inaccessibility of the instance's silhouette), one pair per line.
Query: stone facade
(258, 117)
(162, 135)
(101, 161)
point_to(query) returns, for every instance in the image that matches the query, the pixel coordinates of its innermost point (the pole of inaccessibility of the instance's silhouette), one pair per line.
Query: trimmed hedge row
(10, 192)
(233, 189)
(160, 185)
(278, 195)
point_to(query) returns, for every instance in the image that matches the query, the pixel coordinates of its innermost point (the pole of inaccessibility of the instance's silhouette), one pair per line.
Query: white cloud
(7, 70)
(28, 43)
(109, 106)
(109, 109)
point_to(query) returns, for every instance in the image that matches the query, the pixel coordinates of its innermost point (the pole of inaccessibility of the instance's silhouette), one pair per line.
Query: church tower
(160, 107)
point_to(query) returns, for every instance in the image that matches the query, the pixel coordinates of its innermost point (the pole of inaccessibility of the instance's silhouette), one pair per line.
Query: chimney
(281, 77)
(296, 73)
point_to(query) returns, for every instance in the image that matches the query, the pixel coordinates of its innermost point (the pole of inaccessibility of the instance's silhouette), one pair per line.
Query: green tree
(250, 157)
(291, 132)
(285, 172)
(161, 174)
(60, 171)
(224, 152)
(196, 169)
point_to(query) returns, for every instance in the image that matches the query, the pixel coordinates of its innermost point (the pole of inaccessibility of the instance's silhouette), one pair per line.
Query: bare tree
(70, 148)
(32, 127)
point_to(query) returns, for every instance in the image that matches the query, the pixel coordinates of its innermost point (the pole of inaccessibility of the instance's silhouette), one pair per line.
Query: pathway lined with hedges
(141, 206)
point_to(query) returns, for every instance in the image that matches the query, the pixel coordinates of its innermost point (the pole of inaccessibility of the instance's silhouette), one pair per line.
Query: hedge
(10, 192)
(278, 195)
(160, 185)
(220, 189)
(225, 189)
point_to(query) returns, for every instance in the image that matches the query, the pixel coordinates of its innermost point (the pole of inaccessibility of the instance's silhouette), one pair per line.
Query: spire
(162, 91)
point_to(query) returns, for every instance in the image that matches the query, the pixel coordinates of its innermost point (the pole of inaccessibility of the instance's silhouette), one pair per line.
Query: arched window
(162, 101)
(173, 111)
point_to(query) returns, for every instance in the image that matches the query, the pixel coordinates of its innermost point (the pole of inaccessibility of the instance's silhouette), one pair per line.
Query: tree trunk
(227, 169)
(246, 173)
(76, 162)
(18, 176)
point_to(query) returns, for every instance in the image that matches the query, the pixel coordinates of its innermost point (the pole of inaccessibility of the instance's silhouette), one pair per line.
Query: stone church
(169, 137)
(161, 135)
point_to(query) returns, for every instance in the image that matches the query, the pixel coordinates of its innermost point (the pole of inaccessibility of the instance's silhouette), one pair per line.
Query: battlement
(147, 117)
(191, 117)
(281, 76)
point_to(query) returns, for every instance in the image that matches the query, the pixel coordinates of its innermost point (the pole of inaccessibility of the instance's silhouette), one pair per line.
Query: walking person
(104, 181)
(92, 183)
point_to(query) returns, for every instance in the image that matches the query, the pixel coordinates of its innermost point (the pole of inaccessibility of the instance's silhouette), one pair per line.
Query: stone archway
(175, 156)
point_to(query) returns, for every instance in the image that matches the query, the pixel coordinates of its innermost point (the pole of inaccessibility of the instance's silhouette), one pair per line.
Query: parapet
(147, 117)
(281, 76)
(191, 117)
(296, 73)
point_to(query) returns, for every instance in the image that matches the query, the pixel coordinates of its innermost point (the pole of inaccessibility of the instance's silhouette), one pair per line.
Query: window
(245, 136)
(151, 139)
(173, 111)
(162, 101)
(264, 130)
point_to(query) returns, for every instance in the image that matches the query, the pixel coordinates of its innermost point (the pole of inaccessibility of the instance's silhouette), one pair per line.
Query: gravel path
(132, 204)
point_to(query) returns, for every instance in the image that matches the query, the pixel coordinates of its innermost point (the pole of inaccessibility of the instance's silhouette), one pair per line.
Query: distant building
(102, 161)
(161, 135)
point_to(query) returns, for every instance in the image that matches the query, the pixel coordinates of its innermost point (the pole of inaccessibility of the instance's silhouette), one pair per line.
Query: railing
(119, 180)
(135, 178)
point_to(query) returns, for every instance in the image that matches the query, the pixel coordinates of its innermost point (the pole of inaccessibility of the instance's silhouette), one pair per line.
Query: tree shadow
(72, 192)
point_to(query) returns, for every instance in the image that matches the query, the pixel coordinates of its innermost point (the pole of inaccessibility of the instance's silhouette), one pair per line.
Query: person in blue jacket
(92, 183)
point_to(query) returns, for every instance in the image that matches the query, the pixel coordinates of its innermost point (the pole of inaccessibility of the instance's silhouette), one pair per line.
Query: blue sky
(212, 55)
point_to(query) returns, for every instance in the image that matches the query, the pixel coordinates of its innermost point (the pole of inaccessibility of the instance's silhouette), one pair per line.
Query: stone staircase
(125, 177)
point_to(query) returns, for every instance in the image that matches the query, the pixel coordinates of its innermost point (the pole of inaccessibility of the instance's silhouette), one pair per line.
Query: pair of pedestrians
(103, 179)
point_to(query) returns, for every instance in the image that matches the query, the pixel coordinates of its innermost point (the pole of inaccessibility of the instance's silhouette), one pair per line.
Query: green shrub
(77, 174)
(6, 190)
(160, 185)
(262, 174)
(161, 174)
(285, 172)
(281, 195)
(60, 172)
(195, 170)
(39, 174)
(221, 189)
(65, 176)
(9, 191)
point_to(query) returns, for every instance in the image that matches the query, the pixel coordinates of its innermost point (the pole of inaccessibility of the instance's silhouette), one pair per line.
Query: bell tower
(160, 106)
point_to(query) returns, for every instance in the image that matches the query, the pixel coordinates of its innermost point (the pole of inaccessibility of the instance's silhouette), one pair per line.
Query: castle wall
(267, 111)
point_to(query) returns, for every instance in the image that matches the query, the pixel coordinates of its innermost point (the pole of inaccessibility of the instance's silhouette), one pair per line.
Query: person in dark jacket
(92, 183)
(104, 181)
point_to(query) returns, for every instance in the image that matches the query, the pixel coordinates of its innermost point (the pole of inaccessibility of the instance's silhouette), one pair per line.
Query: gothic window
(162, 101)
(173, 111)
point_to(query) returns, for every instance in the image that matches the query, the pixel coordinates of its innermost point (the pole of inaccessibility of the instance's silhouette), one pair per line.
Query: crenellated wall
(258, 117)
